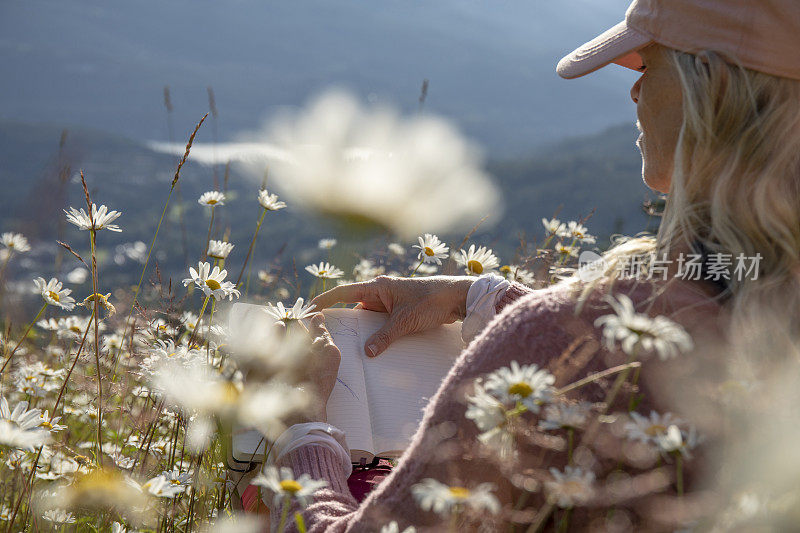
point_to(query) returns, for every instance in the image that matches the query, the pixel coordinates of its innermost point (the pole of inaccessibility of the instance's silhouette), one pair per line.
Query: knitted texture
(533, 327)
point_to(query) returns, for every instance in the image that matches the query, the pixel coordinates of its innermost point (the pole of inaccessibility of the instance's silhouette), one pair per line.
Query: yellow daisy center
(54, 296)
(572, 487)
(211, 202)
(520, 389)
(429, 251)
(475, 266)
(459, 493)
(46, 424)
(322, 272)
(230, 393)
(291, 486)
(655, 429)
(213, 284)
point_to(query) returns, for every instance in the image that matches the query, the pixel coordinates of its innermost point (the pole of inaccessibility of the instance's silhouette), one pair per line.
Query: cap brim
(618, 45)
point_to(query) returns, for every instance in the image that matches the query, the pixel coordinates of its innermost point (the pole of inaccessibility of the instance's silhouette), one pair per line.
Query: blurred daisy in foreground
(443, 500)
(477, 261)
(392, 527)
(570, 488)
(374, 169)
(396, 249)
(58, 517)
(101, 218)
(297, 312)
(15, 242)
(211, 282)
(639, 334)
(284, 487)
(53, 294)
(566, 250)
(528, 384)
(269, 201)
(219, 249)
(211, 199)
(431, 249)
(325, 271)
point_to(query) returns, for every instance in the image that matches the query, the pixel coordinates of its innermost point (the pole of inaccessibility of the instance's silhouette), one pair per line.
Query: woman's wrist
(458, 290)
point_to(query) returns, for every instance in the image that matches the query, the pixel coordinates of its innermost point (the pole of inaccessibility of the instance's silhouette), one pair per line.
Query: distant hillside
(601, 171)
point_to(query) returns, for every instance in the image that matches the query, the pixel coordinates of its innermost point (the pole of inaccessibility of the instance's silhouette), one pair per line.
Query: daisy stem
(77, 356)
(632, 401)
(621, 378)
(210, 226)
(210, 321)
(570, 444)
(284, 513)
(5, 263)
(249, 252)
(24, 491)
(417, 267)
(24, 336)
(563, 524)
(141, 277)
(93, 242)
(454, 520)
(679, 473)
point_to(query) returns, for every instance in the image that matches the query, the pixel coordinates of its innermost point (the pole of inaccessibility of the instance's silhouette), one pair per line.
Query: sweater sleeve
(513, 293)
(536, 331)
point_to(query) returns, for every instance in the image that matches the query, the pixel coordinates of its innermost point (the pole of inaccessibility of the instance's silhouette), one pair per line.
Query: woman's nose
(637, 87)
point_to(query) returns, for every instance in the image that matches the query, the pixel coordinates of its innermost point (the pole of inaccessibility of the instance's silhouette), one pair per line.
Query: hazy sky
(491, 64)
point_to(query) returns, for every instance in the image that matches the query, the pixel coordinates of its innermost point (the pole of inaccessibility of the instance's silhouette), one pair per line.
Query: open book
(377, 402)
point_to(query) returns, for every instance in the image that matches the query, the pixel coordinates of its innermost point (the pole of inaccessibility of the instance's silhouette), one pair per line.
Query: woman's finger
(393, 329)
(350, 293)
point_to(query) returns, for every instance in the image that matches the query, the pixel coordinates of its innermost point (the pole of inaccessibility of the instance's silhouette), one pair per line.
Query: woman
(718, 104)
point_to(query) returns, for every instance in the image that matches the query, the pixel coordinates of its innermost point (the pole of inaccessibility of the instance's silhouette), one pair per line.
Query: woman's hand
(413, 304)
(323, 367)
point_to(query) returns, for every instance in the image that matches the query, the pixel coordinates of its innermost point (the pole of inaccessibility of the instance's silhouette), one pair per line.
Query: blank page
(348, 407)
(401, 380)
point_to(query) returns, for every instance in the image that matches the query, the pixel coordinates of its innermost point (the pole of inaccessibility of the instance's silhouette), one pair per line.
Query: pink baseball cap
(762, 35)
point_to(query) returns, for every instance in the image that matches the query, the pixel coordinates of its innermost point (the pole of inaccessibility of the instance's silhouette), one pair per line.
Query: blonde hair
(735, 188)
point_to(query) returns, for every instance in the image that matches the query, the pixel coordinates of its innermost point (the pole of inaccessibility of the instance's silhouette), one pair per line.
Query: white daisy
(571, 487)
(396, 249)
(567, 250)
(211, 281)
(576, 231)
(327, 244)
(527, 384)
(553, 226)
(219, 249)
(476, 262)
(159, 486)
(431, 249)
(677, 440)
(490, 417)
(637, 331)
(647, 430)
(517, 273)
(15, 242)
(53, 294)
(366, 270)
(211, 199)
(58, 516)
(392, 527)
(325, 271)
(102, 218)
(269, 201)
(564, 415)
(21, 428)
(296, 312)
(443, 499)
(283, 485)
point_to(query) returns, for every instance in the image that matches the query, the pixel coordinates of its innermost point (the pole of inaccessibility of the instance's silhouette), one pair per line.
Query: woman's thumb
(382, 338)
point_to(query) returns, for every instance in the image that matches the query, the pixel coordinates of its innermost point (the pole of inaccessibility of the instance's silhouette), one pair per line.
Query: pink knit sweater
(532, 327)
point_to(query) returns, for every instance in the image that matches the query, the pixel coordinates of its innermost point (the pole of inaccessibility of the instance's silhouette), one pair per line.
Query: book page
(348, 406)
(401, 380)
